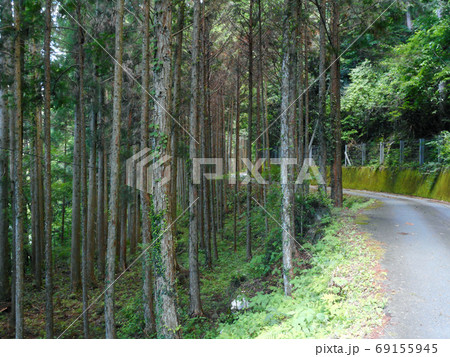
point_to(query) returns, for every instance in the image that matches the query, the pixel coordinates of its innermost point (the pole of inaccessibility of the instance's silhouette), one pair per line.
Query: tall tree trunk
(322, 92)
(125, 217)
(165, 294)
(237, 166)
(222, 182)
(12, 175)
(176, 105)
(82, 163)
(299, 45)
(101, 198)
(147, 296)
(336, 103)
(110, 327)
(77, 172)
(306, 151)
(258, 124)
(137, 217)
(306, 83)
(266, 125)
(230, 137)
(205, 136)
(92, 207)
(35, 178)
(18, 174)
(4, 192)
(129, 230)
(250, 128)
(212, 183)
(129, 214)
(63, 208)
(287, 221)
(195, 307)
(37, 209)
(37, 214)
(5, 253)
(48, 177)
(261, 105)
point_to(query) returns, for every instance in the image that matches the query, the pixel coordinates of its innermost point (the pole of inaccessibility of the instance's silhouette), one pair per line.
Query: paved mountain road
(416, 237)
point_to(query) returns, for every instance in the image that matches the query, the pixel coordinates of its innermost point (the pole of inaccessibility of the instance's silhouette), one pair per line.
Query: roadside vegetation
(337, 283)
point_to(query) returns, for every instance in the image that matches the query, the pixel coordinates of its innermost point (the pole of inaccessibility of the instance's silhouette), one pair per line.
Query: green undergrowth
(338, 295)
(336, 289)
(335, 294)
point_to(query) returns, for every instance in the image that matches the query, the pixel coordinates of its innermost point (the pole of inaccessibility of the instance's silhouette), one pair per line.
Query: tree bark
(5, 119)
(322, 99)
(336, 103)
(147, 290)
(301, 100)
(261, 105)
(48, 176)
(125, 217)
(92, 198)
(101, 199)
(129, 216)
(306, 83)
(35, 187)
(12, 176)
(82, 163)
(237, 166)
(176, 105)
(110, 327)
(36, 191)
(4, 192)
(249, 138)
(167, 324)
(205, 136)
(77, 172)
(195, 307)
(63, 208)
(18, 174)
(286, 152)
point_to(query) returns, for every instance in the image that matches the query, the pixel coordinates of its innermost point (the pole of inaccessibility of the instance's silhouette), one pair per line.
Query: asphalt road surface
(415, 234)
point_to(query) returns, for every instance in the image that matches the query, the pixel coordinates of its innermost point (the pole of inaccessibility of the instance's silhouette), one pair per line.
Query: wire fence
(413, 152)
(390, 153)
(416, 152)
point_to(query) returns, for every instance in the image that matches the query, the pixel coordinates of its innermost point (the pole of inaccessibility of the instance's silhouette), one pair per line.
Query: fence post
(381, 153)
(345, 156)
(363, 154)
(402, 149)
(421, 151)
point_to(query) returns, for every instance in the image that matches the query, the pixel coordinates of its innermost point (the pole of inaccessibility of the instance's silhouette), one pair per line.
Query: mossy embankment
(401, 181)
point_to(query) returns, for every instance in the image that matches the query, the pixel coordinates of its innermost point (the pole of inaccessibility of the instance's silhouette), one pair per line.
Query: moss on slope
(401, 181)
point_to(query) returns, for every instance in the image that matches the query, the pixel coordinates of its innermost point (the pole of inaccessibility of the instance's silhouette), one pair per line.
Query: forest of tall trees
(107, 106)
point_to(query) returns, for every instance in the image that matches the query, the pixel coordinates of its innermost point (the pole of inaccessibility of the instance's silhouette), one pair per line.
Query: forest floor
(337, 289)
